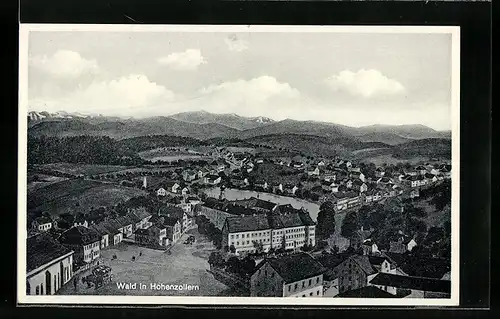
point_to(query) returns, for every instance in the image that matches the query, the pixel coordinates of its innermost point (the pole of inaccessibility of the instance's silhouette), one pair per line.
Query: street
(186, 264)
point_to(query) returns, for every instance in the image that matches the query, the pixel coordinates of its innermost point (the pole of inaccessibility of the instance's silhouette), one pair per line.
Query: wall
(265, 282)
(351, 276)
(215, 216)
(305, 287)
(54, 268)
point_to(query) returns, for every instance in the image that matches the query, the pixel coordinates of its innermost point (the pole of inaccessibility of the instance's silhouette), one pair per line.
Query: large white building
(49, 265)
(285, 227)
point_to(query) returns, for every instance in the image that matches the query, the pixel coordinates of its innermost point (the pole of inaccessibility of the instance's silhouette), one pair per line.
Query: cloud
(365, 83)
(120, 96)
(188, 60)
(249, 97)
(236, 45)
(64, 64)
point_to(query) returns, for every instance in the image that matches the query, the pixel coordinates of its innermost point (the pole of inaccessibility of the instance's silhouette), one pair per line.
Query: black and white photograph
(250, 164)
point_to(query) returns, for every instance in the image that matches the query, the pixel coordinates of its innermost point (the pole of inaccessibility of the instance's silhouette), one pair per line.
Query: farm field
(271, 173)
(77, 194)
(388, 159)
(85, 169)
(41, 180)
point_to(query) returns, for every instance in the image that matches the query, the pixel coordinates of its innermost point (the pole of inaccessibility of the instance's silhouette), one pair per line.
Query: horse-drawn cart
(99, 276)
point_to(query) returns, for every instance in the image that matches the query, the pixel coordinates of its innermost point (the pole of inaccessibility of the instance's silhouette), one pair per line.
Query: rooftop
(79, 235)
(296, 267)
(409, 282)
(42, 249)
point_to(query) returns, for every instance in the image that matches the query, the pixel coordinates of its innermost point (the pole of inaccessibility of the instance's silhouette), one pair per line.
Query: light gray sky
(347, 78)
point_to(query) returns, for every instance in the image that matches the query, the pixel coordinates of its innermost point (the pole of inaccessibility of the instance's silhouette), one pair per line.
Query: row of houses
(341, 275)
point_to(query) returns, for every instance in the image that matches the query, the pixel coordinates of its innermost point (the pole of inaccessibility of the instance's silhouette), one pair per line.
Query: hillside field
(77, 195)
(85, 169)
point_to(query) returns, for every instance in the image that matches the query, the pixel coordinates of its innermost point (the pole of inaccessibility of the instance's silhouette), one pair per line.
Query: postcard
(238, 165)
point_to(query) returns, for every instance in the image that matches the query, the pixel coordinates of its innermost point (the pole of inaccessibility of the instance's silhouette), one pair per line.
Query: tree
(215, 259)
(350, 224)
(247, 266)
(232, 249)
(434, 234)
(259, 247)
(326, 220)
(233, 264)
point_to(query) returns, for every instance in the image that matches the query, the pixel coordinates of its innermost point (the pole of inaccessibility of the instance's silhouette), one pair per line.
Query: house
(297, 165)
(348, 183)
(42, 223)
(414, 193)
(260, 183)
(161, 192)
(402, 245)
(357, 176)
(189, 175)
(297, 275)
(172, 186)
(321, 163)
(185, 191)
(329, 186)
(345, 200)
(85, 243)
(277, 187)
(314, 172)
(430, 178)
(411, 286)
(174, 228)
(379, 172)
(103, 232)
(369, 247)
(178, 214)
(65, 221)
(359, 237)
(238, 181)
(80, 220)
(357, 271)
(155, 235)
(213, 180)
(359, 186)
(256, 204)
(115, 236)
(330, 177)
(421, 169)
(330, 277)
(259, 160)
(49, 265)
(384, 181)
(126, 225)
(139, 217)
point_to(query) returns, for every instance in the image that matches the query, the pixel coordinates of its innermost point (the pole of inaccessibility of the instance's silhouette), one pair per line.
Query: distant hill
(203, 125)
(288, 126)
(416, 131)
(312, 144)
(231, 120)
(129, 128)
(429, 147)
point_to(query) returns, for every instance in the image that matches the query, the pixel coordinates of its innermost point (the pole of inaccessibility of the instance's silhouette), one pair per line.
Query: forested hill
(98, 149)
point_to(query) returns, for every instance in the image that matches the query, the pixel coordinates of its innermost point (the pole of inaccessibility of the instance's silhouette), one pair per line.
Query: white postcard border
(24, 299)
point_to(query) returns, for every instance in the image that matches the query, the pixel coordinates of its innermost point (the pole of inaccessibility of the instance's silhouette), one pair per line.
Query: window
(310, 294)
(237, 243)
(317, 280)
(289, 287)
(303, 295)
(232, 236)
(296, 285)
(317, 293)
(37, 290)
(237, 236)
(303, 284)
(310, 280)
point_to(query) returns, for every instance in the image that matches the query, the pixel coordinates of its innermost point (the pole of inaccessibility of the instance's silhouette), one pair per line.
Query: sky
(354, 79)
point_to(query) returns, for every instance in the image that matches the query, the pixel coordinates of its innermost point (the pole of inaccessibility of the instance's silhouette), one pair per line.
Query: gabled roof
(79, 235)
(295, 267)
(364, 263)
(42, 249)
(171, 211)
(43, 220)
(414, 283)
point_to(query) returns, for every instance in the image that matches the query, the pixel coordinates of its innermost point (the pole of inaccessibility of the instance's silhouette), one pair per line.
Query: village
(186, 229)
